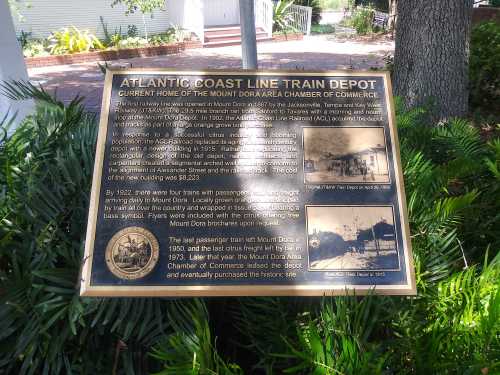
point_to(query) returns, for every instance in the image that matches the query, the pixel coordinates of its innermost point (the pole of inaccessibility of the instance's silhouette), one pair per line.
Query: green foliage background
(484, 66)
(362, 20)
(452, 327)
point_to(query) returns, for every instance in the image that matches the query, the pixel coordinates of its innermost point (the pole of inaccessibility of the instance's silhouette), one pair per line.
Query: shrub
(190, 349)
(110, 39)
(484, 65)
(132, 31)
(115, 39)
(163, 38)
(282, 18)
(173, 34)
(131, 42)
(45, 327)
(361, 20)
(72, 40)
(36, 48)
(107, 34)
(452, 183)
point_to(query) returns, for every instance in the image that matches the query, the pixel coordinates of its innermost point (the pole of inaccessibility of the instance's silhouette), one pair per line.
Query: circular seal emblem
(132, 253)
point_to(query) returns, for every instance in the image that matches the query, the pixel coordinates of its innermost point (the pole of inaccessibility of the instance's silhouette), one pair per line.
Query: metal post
(248, 39)
(309, 20)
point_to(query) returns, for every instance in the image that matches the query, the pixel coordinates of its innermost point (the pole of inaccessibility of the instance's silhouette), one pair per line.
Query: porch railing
(264, 15)
(301, 18)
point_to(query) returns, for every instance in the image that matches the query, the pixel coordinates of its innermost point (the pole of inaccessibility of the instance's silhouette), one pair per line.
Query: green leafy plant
(173, 34)
(453, 325)
(36, 48)
(131, 42)
(132, 31)
(265, 337)
(452, 179)
(107, 34)
(130, 39)
(282, 17)
(190, 349)
(484, 65)
(180, 33)
(361, 20)
(168, 36)
(116, 39)
(72, 40)
(337, 340)
(45, 173)
(111, 39)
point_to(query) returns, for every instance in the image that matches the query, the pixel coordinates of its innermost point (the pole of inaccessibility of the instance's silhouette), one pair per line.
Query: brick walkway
(313, 53)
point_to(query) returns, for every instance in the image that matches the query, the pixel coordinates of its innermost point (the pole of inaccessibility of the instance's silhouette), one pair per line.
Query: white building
(44, 16)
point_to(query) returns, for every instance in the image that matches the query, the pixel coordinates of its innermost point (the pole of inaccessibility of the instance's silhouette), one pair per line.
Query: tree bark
(431, 55)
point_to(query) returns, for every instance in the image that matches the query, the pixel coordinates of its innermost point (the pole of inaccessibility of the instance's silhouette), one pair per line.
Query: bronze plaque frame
(409, 288)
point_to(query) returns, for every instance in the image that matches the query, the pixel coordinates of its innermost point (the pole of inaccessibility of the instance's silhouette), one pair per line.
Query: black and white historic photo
(351, 238)
(345, 155)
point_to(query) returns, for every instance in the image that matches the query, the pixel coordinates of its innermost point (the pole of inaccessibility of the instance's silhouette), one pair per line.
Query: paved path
(332, 17)
(321, 52)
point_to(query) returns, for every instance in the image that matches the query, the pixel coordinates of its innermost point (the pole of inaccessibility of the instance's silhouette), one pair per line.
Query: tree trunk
(431, 56)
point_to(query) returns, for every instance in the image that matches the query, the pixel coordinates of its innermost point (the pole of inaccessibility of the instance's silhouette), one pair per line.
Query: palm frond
(190, 349)
(337, 342)
(25, 90)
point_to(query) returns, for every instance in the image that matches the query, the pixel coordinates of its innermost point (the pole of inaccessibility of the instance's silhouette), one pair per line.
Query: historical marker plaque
(238, 183)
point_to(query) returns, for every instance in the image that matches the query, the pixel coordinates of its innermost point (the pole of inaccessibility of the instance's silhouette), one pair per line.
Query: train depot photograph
(351, 238)
(337, 155)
